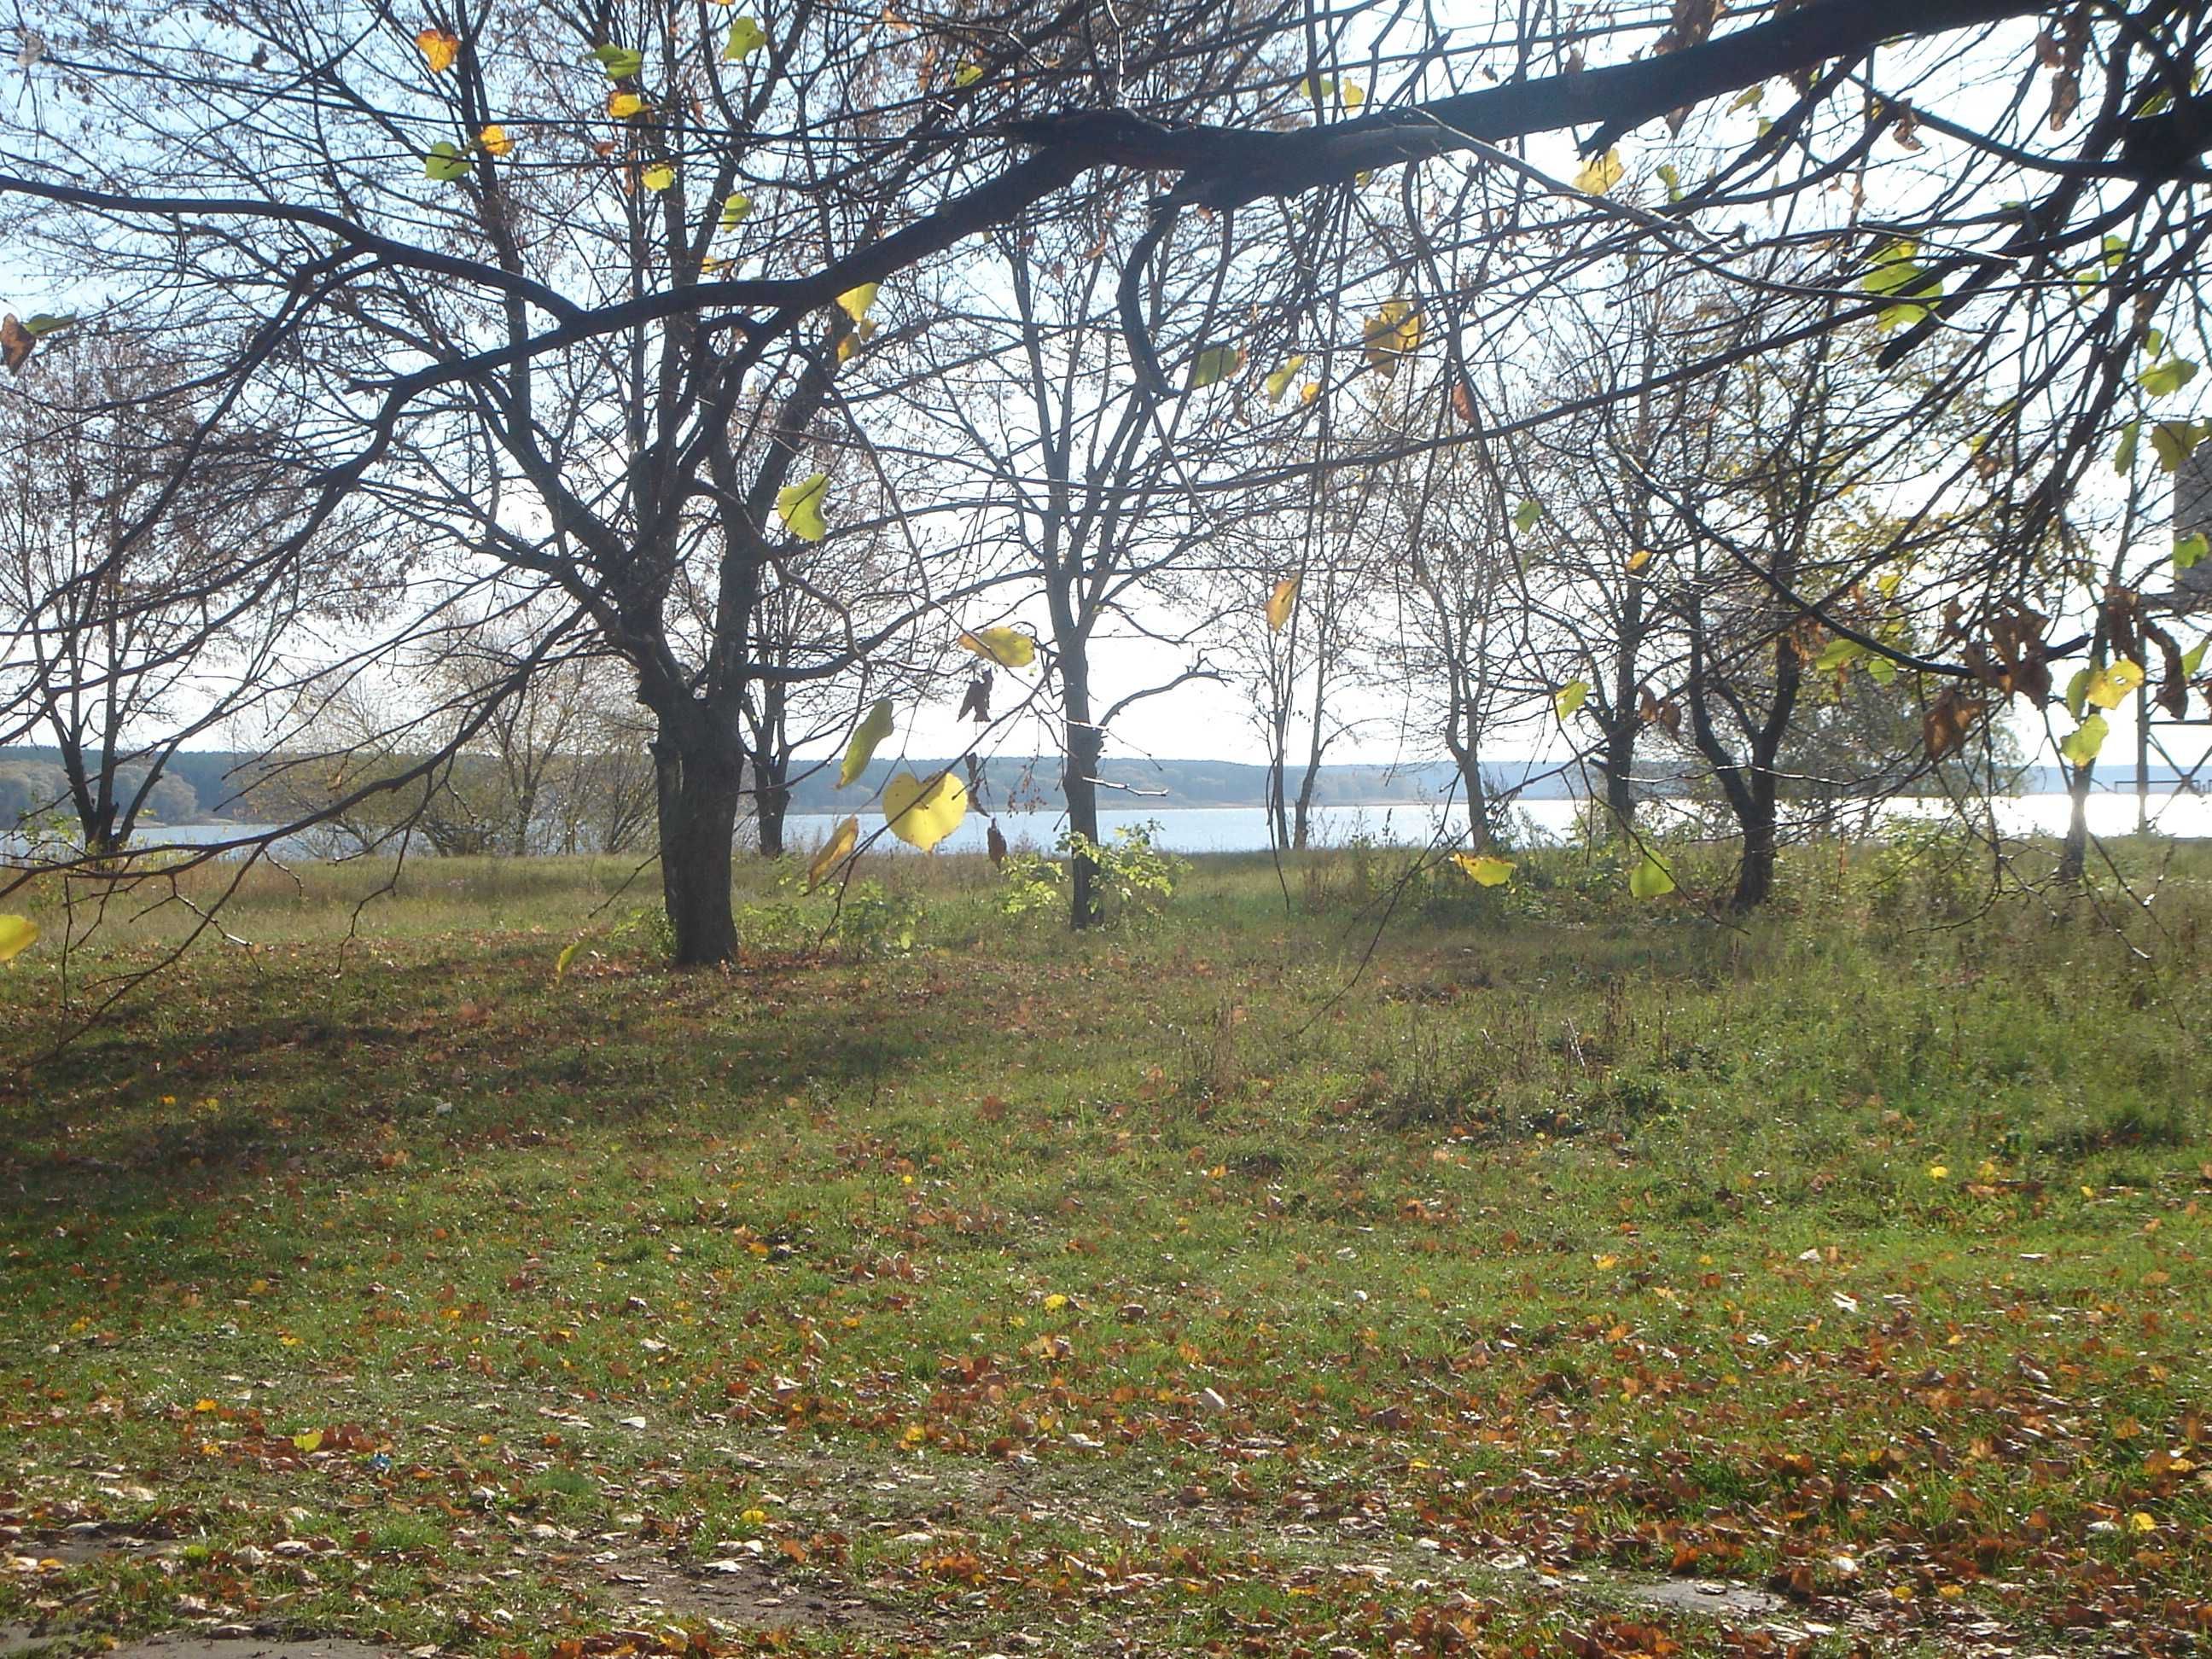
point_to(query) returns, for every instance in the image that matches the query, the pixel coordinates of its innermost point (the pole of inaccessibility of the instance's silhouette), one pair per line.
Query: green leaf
(2189, 549)
(866, 736)
(1279, 381)
(2083, 744)
(2193, 659)
(1526, 514)
(1670, 176)
(1896, 271)
(2077, 691)
(2173, 440)
(736, 206)
(1840, 653)
(1882, 668)
(967, 75)
(567, 955)
(799, 506)
(445, 162)
(42, 324)
(2123, 458)
(1569, 697)
(1651, 880)
(1749, 98)
(2161, 379)
(1215, 364)
(620, 63)
(746, 38)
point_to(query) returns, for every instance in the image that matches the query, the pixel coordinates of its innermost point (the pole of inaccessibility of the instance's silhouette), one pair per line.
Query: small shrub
(1135, 876)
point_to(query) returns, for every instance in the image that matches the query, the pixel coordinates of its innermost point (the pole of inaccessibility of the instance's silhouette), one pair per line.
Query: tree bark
(1302, 820)
(700, 782)
(1084, 745)
(1478, 796)
(1754, 872)
(1618, 768)
(2074, 856)
(771, 803)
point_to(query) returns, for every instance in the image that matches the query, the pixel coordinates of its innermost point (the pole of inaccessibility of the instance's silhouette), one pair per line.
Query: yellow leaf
(1279, 382)
(922, 814)
(1054, 1302)
(1309, 392)
(440, 48)
(866, 736)
(1281, 602)
(855, 301)
(1651, 880)
(659, 177)
(567, 955)
(967, 75)
(1009, 647)
(1938, 1172)
(17, 935)
(1600, 173)
(2143, 1521)
(841, 842)
(2109, 687)
(1486, 870)
(623, 104)
(799, 506)
(852, 343)
(1638, 559)
(311, 1441)
(1392, 333)
(495, 140)
(1569, 697)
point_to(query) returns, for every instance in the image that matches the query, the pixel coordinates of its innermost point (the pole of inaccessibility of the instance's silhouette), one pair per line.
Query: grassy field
(1319, 1267)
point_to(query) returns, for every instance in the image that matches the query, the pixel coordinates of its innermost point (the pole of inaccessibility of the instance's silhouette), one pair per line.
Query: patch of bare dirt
(740, 1590)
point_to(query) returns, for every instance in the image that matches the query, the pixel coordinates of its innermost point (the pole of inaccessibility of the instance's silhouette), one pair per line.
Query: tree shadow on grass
(422, 1066)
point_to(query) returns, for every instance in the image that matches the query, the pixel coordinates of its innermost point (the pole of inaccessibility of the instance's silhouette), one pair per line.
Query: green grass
(1208, 1284)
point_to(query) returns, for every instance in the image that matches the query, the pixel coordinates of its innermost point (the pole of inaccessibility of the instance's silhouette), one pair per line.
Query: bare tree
(126, 512)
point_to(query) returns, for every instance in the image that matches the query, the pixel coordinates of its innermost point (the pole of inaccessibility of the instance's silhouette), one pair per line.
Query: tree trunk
(1477, 797)
(1302, 819)
(1618, 768)
(1755, 874)
(771, 800)
(1083, 746)
(699, 784)
(769, 807)
(771, 759)
(1279, 829)
(2074, 858)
